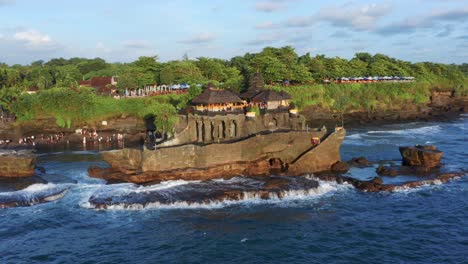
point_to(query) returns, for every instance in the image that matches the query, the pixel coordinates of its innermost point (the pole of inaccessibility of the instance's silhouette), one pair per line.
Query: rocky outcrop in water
(360, 162)
(202, 193)
(284, 153)
(377, 184)
(340, 166)
(17, 163)
(34, 194)
(423, 156)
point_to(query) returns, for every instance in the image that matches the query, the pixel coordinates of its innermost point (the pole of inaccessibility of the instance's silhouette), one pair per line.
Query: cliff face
(289, 153)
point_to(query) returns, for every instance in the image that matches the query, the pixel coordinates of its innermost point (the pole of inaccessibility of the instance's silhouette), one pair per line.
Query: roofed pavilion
(216, 100)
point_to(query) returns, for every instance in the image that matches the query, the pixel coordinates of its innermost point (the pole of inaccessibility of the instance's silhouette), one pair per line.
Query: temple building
(271, 100)
(256, 95)
(217, 100)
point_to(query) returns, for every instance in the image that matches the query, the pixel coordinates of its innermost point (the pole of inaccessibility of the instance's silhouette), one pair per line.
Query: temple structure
(217, 100)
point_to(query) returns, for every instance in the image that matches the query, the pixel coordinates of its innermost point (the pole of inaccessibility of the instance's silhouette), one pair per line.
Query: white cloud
(204, 37)
(266, 25)
(364, 17)
(270, 6)
(265, 39)
(136, 44)
(33, 38)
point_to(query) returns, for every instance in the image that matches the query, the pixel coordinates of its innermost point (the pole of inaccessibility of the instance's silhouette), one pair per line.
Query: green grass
(83, 106)
(366, 97)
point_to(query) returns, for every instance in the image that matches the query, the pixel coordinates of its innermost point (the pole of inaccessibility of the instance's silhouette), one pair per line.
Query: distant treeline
(59, 96)
(275, 64)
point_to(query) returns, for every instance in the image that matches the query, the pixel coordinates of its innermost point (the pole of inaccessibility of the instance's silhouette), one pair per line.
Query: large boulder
(17, 163)
(424, 156)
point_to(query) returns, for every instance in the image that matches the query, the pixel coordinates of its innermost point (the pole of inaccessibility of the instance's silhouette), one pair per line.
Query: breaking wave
(210, 194)
(33, 194)
(409, 131)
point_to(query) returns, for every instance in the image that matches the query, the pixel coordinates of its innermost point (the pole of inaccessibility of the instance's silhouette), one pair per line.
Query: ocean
(333, 223)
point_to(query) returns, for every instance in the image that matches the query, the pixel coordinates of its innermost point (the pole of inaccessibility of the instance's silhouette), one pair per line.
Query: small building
(269, 99)
(216, 100)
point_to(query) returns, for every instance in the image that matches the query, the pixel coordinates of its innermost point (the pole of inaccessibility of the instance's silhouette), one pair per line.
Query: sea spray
(210, 194)
(33, 194)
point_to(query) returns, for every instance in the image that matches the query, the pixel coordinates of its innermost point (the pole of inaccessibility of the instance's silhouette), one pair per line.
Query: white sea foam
(410, 131)
(247, 197)
(34, 193)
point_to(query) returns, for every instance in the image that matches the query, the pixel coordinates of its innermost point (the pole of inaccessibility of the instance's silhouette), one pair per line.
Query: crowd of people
(88, 137)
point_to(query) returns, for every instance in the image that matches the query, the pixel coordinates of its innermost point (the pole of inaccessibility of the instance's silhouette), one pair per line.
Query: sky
(123, 30)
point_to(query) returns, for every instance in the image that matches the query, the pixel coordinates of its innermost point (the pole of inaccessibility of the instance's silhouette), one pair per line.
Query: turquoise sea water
(334, 224)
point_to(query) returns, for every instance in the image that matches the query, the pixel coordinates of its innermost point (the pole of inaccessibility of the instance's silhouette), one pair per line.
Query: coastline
(443, 107)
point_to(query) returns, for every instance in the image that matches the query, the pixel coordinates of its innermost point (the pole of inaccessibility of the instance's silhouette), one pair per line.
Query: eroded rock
(424, 156)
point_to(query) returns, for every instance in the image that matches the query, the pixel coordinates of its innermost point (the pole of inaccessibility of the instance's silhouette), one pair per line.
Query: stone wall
(215, 129)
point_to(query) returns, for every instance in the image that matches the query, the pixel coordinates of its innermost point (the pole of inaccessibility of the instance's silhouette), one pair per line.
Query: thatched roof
(249, 94)
(216, 96)
(270, 95)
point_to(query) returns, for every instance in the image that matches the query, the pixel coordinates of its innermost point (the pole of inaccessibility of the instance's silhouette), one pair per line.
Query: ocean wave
(33, 194)
(210, 195)
(409, 131)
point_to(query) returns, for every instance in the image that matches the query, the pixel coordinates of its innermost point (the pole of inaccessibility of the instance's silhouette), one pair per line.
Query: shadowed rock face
(34, 194)
(205, 192)
(17, 163)
(424, 156)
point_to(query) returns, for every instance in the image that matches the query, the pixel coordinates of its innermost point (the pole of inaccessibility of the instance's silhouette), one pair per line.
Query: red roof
(101, 82)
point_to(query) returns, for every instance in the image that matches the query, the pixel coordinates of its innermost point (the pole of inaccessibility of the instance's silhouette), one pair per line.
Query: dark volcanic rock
(387, 171)
(204, 192)
(340, 166)
(424, 156)
(360, 162)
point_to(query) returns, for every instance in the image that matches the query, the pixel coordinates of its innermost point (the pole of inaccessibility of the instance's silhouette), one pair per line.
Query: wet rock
(424, 156)
(340, 166)
(41, 169)
(201, 193)
(16, 184)
(17, 163)
(387, 171)
(34, 194)
(360, 162)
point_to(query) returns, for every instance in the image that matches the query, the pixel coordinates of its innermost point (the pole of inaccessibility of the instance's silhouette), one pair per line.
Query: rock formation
(424, 156)
(17, 163)
(360, 162)
(284, 153)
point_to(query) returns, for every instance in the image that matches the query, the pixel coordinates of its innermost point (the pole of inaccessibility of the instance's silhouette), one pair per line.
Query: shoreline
(443, 107)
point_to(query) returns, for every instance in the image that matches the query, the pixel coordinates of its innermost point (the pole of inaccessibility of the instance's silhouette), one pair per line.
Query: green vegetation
(306, 73)
(83, 106)
(367, 97)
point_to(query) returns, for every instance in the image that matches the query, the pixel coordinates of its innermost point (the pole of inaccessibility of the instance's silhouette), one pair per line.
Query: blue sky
(123, 30)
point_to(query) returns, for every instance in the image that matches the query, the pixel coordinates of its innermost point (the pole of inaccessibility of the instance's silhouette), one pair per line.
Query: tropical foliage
(60, 97)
